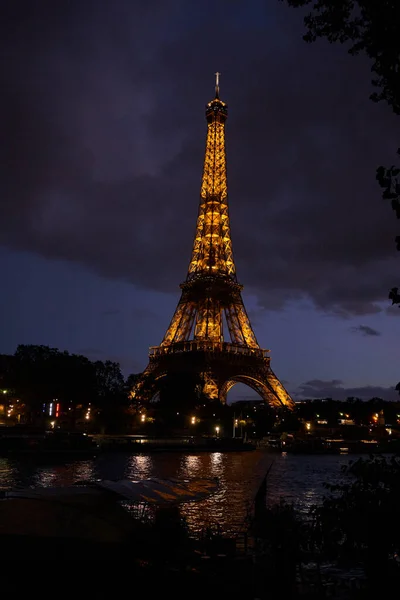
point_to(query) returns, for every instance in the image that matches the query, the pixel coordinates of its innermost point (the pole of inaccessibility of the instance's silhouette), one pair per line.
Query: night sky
(102, 143)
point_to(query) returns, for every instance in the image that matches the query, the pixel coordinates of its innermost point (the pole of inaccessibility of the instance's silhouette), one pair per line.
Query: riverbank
(35, 442)
(330, 445)
(192, 444)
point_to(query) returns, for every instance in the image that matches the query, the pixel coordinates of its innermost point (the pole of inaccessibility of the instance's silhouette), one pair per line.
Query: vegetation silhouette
(350, 540)
(39, 375)
(369, 27)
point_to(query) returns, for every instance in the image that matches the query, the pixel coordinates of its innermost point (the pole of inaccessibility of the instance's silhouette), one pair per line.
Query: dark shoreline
(39, 442)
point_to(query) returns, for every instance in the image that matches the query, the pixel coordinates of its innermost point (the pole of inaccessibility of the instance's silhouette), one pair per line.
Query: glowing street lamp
(193, 420)
(143, 418)
(235, 424)
(217, 430)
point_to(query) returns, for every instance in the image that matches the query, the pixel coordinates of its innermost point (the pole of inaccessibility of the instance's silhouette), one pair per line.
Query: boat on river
(113, 518)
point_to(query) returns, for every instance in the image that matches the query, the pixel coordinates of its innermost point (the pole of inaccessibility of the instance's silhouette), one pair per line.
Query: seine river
(298, 479)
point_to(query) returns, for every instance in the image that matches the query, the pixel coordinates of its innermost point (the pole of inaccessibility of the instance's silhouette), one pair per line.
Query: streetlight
(217, 430)
(235, 424)
(193, 420)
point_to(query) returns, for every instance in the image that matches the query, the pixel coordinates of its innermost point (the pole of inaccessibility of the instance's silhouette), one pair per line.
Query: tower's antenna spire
(217, 84)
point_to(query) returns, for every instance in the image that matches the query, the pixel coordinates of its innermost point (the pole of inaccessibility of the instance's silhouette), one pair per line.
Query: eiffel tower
(211, 300)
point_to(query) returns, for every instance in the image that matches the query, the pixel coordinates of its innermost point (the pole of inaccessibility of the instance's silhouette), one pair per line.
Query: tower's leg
(210, 387)
(278, 390)
(181, 323)
(267, 386)
(145, 387)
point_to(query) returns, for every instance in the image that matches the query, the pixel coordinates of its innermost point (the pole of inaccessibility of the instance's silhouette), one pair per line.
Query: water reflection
(139, 467)
(83, 471)
(310, 499)
(8, 473)
(239, 475)
(298, 479)
(44, 478)
(217, 465)
(191, 466)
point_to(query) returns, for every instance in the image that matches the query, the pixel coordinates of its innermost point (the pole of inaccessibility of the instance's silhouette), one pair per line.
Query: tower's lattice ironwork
(211, 299)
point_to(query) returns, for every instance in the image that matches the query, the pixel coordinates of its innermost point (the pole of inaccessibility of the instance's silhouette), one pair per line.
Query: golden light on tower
(210, 327)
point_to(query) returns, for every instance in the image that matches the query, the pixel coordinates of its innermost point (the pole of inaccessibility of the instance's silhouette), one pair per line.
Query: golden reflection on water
(239, 475)
(140, 466)
(64, 474)
(191, 465)
(217, 465)
(295, 478)
(8, 474)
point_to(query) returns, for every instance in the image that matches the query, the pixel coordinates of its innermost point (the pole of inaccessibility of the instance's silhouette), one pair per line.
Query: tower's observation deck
(205, 346)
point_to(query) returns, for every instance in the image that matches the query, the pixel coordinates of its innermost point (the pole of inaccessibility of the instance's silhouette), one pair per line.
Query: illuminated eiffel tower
(211, 299)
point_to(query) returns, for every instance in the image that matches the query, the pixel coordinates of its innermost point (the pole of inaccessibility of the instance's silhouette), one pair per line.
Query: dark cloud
(144, 313)
(93, 353)
(110, 312)
(246, 398)
(317, 388)
(126, 363)
(103, 138)
(256, 315)
(365, 330)
(393, 311)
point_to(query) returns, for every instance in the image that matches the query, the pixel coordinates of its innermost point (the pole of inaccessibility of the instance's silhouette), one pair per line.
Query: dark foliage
(358, 523)
(369, 27)
(38, 375)
(355, 527)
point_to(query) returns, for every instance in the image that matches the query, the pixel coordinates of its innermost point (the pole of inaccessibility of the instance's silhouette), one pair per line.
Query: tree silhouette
(39, 374)
(358, 522)
(369, 27)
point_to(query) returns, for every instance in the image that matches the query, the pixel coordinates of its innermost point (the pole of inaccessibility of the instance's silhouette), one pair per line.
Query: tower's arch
(255, 384)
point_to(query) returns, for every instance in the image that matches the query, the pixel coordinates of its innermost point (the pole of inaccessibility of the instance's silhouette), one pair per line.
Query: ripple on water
(298, 479)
